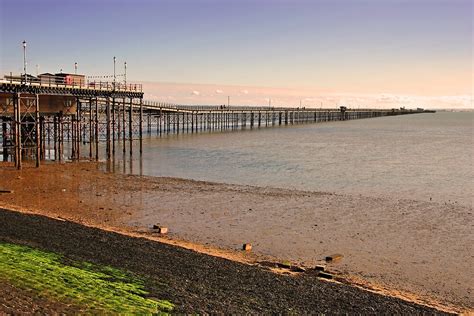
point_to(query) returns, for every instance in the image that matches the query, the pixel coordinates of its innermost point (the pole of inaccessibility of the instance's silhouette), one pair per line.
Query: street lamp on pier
(24, 59)
(125, 74)
(115, 59)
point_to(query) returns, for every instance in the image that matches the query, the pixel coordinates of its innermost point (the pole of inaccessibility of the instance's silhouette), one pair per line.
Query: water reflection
(416, 156)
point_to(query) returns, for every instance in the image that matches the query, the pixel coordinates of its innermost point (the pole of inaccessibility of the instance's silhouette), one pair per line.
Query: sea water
(421, 157)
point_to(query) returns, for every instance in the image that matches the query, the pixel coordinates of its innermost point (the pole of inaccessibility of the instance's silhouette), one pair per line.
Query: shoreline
(189, 281)
(262, 262)
(128, 215)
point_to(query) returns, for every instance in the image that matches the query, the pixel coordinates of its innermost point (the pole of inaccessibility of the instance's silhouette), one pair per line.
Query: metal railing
(74, 82)
(177, 107)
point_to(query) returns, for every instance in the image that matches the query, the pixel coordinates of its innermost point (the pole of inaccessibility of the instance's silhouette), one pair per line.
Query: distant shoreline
(454, 110)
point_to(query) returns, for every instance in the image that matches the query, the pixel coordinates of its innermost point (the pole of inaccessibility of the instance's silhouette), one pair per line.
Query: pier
(66, 118)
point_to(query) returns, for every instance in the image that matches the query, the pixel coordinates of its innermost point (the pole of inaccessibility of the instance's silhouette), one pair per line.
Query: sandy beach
(421, 251)
(192, 281)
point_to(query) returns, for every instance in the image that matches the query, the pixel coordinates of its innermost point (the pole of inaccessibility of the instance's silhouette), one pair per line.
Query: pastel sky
(380, 53)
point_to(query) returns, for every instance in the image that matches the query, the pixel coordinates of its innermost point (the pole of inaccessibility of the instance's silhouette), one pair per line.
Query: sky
(379, 53)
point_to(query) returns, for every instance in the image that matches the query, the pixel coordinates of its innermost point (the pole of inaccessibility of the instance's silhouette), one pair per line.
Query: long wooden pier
(57, 121)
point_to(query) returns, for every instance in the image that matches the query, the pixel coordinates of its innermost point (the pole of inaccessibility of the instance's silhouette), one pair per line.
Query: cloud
(385, 98)
(247, 95)
(152, 96)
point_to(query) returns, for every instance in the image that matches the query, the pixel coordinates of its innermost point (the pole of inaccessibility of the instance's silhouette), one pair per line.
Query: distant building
(29, 78)
(70, 79)
(47, 78)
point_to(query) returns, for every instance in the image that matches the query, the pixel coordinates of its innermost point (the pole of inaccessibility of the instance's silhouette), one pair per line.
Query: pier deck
(56, 121)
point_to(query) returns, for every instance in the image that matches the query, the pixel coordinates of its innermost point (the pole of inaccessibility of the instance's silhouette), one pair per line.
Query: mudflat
(421, 251)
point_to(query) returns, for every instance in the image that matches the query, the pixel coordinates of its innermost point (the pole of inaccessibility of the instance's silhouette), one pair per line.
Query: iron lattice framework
(56, 122)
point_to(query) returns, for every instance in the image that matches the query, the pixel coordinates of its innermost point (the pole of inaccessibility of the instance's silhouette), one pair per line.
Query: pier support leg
(130, 126)
(55, 137)
(113, 126)
(60, 136)
(37, 132)
(108, 129)
(73, 131)
(43, 137)
(91, 133)
(96, 125)
(124, 133)
(4, 140)
(149, 123)
(160, 121)
(17, 123)
(141, 126)
(79, 128)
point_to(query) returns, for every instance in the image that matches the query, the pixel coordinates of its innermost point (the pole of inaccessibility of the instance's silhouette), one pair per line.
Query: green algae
(89, 286)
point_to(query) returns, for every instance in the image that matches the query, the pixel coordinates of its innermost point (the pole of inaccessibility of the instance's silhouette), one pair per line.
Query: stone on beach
(247, 247)
(160, 229)
(334, 257)
(319, 268)
(324, 275)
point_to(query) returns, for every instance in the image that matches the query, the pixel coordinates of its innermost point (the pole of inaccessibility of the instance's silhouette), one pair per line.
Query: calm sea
(418, 157)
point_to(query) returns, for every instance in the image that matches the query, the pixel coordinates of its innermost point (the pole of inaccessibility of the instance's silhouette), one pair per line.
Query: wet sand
(422, 251)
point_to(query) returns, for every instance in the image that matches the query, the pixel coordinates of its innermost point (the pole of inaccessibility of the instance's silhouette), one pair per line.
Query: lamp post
(125, 75)
(75, 68)
(24, 59)
(115, 59)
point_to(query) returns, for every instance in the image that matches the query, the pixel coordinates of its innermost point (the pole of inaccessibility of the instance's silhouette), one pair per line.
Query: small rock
(319, 268)
(325, 275)
(160, 229)
(333, 258)
(6, 191)
(247, 247)
(163, 230)
(285, 264)
(298, 269)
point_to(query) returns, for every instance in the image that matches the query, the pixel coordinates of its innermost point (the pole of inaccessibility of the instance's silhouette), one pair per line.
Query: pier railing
(75, 83)
(225, 108)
